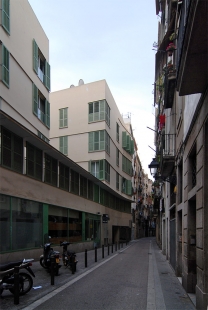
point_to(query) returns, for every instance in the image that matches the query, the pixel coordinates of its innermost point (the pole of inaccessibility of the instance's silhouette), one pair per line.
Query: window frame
(43, 117)
(5, 15)
(5, 65)
(99, 110)
(63, 145)
(63, 118)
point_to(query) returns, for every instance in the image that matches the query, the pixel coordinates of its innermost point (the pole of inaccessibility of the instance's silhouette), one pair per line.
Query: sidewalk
(42, 281)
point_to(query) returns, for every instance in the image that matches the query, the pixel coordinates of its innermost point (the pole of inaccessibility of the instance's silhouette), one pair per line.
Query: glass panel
(57, 224)
(27, 216)
(5, 232)
(75, 226)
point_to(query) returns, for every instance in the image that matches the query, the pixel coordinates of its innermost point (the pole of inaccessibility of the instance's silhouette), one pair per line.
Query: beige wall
(24, 27)
(77, 99)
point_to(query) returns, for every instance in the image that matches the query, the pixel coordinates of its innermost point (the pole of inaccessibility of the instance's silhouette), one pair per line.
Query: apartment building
(42, 191)
(181, 97)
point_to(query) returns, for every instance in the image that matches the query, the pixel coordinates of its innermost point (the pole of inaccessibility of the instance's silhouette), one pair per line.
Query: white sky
(112, 40)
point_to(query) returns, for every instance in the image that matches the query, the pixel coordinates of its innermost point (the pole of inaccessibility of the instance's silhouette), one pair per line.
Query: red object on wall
(161, 121)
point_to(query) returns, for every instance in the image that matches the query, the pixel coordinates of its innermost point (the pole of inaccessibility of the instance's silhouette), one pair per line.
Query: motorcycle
(69, 257)
(7, 278)
(48, 255)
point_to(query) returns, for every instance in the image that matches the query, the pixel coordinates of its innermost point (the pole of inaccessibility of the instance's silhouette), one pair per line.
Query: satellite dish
(72, 86)
(81, 82)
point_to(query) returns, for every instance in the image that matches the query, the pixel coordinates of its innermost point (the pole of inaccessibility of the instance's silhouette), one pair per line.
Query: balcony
(170, 85)
(167, 155)
(192, 48)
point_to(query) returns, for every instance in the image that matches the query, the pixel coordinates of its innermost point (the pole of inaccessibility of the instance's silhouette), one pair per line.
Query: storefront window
(57, 224)
(75, 226)
(5, 223)
(27, 224)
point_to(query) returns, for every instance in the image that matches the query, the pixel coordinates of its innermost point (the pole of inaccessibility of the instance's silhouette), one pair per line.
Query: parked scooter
(69, 257)
(47, 256)
(7, 276)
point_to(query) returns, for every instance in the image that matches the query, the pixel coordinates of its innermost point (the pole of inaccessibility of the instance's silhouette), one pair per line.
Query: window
(12, 151)
(117, 156)
(63, 145)
(5, 66)
(100, 169)
(63, 118)
(41, 107)
(90, 190)
(126, 187)
(117, 132)
(41, 66)
(99, 141)
(6, 15)
(34, 162)
(117, 180)
(83, 186)
(126, 165)
(74, 182)
(96, 193)
(99, 111)
(51, 170)
(127, 143)
(63, 177)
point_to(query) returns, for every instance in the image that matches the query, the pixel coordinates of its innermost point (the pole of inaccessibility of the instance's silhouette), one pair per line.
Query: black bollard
(53, 263)
(95, 254)
(116, 246)
(108, 248)
(102, 251)
(16, 285)
(119, 245)
(112, 248)
(85, 258)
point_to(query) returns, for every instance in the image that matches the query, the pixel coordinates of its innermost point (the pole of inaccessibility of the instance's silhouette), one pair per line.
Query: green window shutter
(61, 118)
(129, 188)
(65, 117)
(6, 15)
(47, 113)
(5, 65)
(102, 169)
(96, 141)
(102, 110)
(102, 140)
(132, 147)
(91, 141)
(65, 145)
(90, 116)
(61, 144)
(35, 56)
(124, 139)
(96, 111)
(128, 147)
(47, 80)
(89, 166)
(35, 99)
(129, 167)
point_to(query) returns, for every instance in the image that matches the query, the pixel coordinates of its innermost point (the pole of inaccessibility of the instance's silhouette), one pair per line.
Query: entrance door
(173, 243)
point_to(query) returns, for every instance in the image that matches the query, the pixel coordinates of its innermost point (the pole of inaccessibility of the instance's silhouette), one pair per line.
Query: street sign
(105, 218)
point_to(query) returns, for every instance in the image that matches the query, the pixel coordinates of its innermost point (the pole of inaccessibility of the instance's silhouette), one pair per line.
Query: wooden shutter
(35, 56)
(61, 118)
(47, 113)
(5, 65)
(6, 15)
(128, 147)
(91, 142)
(90, 117)
(35, 100)
(89, 166)
(96, 140)
(101, 169)
(96, 111)
(132, 147)
(47, 80)
(124, 139)
(65, 145)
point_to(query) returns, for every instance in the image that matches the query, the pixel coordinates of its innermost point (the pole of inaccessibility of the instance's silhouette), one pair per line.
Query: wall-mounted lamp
(153, 167)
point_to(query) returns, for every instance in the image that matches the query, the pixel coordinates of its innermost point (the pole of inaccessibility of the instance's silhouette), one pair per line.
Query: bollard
(95, 254)
(53, 262)
(126, 242)
(85, 258)
(73, 265)
(119, 245)
(102, 251)
(16, 285)
(116, 246)
(112, 248)
(108, 248)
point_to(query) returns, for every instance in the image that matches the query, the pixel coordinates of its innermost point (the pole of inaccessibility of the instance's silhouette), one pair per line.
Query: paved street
(135, 277)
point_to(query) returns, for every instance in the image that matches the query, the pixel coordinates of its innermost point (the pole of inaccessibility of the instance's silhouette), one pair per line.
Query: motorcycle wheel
(42, 263)
(26, 285)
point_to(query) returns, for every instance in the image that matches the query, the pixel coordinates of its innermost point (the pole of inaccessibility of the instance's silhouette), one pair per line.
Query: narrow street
(135, 277)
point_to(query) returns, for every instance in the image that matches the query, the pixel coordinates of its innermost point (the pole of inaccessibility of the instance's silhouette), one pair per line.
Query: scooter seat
(10, 265)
